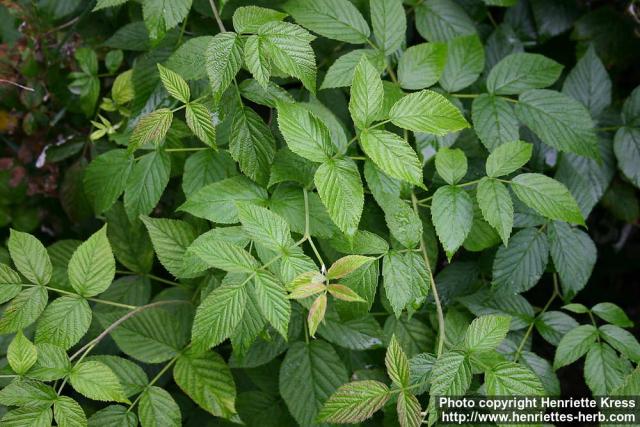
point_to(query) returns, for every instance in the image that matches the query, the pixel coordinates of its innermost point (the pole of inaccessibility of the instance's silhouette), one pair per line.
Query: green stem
(467, 184)
(216, 15)
(465, 95)
(177, 150)
(515, 101)
(155, 379)
(357, 158)
(608, 129)
(100, 301)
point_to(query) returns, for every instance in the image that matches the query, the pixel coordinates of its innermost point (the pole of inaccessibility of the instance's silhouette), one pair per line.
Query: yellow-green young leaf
(30, 257)
(574, 345)
(64, 322)
(97, 382)
(512, 379)
(344, 293)
(304, 279)
(21, 354)
(421, 66)
(39, 416)
(174, 84)
(522, 71)
(10, 283)
(68, 413)
(451, 164)
(452, 216)
(393, 155)
(92, 266)
(272, 301)
(486, 333)
(200, 121)
(496, 206)
(397, 364)
(366, 94)
(24, 309)
(409, 411)
(158, 409)
(547, 196)
(427, 111)
(346, 265)
(248, 19)
(307, 290)
(508, 157)
(354, 402)
(151, 128)
(123, 89)
(305, 133)
(389, 24)
(223, 60)
(207, 380)
(316, 313)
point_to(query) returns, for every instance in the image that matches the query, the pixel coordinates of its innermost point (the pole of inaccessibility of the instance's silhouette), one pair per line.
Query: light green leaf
(421, 66)
(366, 94)
(354, 402)
(131, 376)
(559, 121)
(397, 364)
(340, 189)
(26, 416)
(305, 134)
(393, 155)
(187, 61)
(248, 19)
(334, 19)
(52, 364)
(621, 340)
(508, 157)
(603, 370)
(97, 382)
(451, 375)
(223, 60)
(200, 121)
(340, 73)
(626, 146)
(403, 222)
(547, 196)
(225, 256)
(28, 393)
(452, 216)
(451, 164)
(612, 314)
(389, 24)
(92, 267)
(406, 280)
(151, 128)
(207, 380)
(68, 413)
(574, 255)
(464, 63)
(30, 257)
(589, 83)
(512, 379)
(409, 411)
(494, 120)
(10, 283)
(309, 374)
(24, 309)
(486, 333)
(206, 167)
(553, 325)
(21, 354)
(442, 20)
(162, 15)
(496, 206)
(521, 71)
(519, 266)
(105, 178)
(264, 227)
(170, 238)
(427, 111)
(271, 297)
(113, 416)
(158, 409)
(64, 322)
(174, 84)
(148, 179)
(101, 4)
(251, 144)
(257, 61)
(574, 345)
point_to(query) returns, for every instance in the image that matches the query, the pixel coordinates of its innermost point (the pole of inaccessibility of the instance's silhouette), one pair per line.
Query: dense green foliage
(310, 212)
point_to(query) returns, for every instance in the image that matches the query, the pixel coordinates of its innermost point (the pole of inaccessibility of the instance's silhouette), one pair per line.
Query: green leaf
(225, 256)
(519, 266)
(309, 375)
(334, 19)
(508, 157)
(626, 146)
(603, 370)
(223, 60)
(409, 411)
(21, 354)
(553, 325)
(354, 402)
(20, 417)
(393, 155)
(248, 19)
(151, 128)
(101, 4)
(406, 280)
(305, 134)
(207, 380)
(257, 61)
(146, 183)
(340, 73)
(589, 83)
(397, 364)
(52, 364)
(218, 315)
(97, 382)
(131, 376)
(346, 265)
(30, 257)
(621, 340)
(157, 408)
(206, 167)
(421, 66)
(427, 111)
(464, 63)
(558, 121)
(68, 413)
(451, 375)
(451, 164)
(29, 393)
(452, 216)
(512, 379)
(486, 333)
(496, 206)
(289, 49)
(389, 24)
(64, 322)
(612, 313)
(344, 293)
(200, 121)
(113, 415)
(10, 283)
(403, 222)
(576, 308)
(162, 15)
(264, 227)
(92, 267)
(340, 189)
(494, 120)
(520, 72)
(631, 109)
(251, 144)
(442, 20)
(574, 345)
(170, 238)
(574, 255)
(105, 178)
(271, 297)
(24, 309)
(547, 196)
(366, 94)
(174, 84)
(129, 241)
